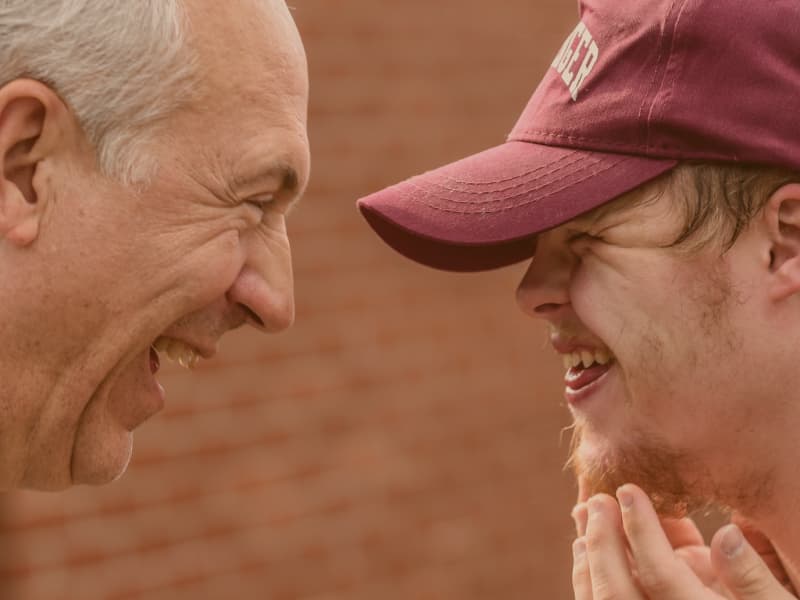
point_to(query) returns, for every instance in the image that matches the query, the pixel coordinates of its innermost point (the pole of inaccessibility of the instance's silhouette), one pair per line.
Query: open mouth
(176, 350)
(584, 367)
(155, 362)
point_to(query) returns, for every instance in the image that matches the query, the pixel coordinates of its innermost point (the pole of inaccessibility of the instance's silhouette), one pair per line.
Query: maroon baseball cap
(638, 86)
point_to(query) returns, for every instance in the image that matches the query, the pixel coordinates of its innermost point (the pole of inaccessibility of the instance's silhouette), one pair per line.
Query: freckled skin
(113, 267)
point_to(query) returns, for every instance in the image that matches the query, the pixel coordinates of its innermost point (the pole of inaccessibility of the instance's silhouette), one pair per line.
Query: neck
(780, 522)
(773, 507)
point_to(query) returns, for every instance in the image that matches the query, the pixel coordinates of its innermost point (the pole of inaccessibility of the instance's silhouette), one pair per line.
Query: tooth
(567, 358)
(587, 358)
(173, 351)
(188, 357)
(178, 352)
(601, 356)
(183, 359)
(576, 359)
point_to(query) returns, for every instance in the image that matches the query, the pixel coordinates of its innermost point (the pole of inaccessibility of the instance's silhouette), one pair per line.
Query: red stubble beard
(660, 471)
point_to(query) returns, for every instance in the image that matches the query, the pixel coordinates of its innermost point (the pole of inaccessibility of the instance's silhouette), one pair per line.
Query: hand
(626, 553)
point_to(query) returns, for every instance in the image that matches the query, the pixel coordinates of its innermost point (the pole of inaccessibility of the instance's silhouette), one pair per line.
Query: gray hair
(121, 65)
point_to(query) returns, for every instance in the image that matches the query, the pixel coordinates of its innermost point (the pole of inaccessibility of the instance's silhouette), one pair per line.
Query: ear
(32, 122)
(782, 219)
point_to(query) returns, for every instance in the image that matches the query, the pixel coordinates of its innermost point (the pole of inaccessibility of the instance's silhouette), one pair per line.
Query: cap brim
(484, 211)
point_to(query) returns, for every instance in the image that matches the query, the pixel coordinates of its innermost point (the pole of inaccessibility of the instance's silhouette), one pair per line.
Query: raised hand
(624, 551)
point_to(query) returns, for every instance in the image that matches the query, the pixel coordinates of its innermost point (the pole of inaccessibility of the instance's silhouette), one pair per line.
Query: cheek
(209, 269)
(604, 303)
(634, 321)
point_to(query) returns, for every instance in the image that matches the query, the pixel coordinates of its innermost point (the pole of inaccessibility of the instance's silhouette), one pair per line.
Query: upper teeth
(182, 353)
(585, 357)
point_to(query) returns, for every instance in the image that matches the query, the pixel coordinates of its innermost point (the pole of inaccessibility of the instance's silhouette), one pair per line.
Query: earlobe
(19, 219)
(782, 215)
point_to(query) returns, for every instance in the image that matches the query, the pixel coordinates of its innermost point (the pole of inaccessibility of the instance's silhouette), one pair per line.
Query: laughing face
(651, 335)
(111, 276)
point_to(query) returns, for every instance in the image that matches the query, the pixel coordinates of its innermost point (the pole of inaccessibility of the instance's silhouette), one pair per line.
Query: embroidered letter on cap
(585, 50)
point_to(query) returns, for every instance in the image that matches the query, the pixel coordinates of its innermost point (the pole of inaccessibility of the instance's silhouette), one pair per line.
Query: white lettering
(585, 40)
(588, 64)
(585, 51)
(563, 49)
(567, 54)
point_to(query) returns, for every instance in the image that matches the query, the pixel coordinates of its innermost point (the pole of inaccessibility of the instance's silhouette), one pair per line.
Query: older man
(655, 174)
(151, 151)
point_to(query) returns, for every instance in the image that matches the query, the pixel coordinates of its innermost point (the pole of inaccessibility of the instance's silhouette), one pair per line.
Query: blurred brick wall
(402, 440)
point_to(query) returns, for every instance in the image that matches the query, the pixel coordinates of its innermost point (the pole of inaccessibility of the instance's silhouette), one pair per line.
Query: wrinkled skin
(95, 271)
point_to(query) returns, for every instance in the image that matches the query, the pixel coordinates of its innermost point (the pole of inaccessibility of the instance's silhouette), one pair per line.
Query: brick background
(402, 440)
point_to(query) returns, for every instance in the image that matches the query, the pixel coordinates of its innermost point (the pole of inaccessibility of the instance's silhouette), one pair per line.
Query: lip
(138, 395)
(205, 348)
(567, 345)
(580, 396)
(154, 398)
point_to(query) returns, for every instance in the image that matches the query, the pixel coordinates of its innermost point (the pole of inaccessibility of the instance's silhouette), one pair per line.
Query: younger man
(654, 178)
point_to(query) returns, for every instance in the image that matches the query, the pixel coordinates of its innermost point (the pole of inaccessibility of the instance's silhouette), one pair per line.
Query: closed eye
(582, 236)
(583, 243)
(261, 202)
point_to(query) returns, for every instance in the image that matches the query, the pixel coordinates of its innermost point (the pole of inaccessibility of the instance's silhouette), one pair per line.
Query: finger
(690, 547)
(741, 569)
(660, 573)
(609, 568)
(580, 514)
(682, 532)
(698, 559)
(763, 547)
(581, 579)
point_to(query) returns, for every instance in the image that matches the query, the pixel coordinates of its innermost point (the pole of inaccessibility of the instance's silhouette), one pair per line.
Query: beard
(679, 480)
(669, 477)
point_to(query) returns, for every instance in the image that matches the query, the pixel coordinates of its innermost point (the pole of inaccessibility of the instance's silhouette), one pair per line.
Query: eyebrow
(281, 170)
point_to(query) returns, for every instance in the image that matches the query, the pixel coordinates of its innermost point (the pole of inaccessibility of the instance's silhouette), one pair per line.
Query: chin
(642, 460)
(104, 462)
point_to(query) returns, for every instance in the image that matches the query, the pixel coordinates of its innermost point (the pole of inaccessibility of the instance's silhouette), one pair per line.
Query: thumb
(741, 569)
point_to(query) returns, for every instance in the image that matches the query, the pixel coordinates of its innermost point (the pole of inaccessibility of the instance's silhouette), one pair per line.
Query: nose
(264, 288)
(544, 289)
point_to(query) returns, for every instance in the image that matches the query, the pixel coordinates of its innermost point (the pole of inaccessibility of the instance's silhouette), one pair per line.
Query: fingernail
(579, 550)
(732, 541)
(625, 499)
(595, 508)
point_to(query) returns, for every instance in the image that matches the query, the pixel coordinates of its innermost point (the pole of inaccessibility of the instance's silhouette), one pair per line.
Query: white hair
(121, 65)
